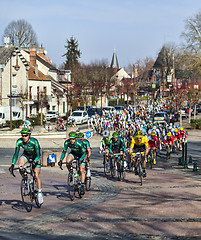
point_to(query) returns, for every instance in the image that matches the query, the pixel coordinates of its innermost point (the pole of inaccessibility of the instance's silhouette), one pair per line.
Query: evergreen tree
(72, 53)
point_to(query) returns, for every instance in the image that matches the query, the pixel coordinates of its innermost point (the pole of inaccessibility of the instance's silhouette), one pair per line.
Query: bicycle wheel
(35, 194)
(151, 160)
(140, 172)
(112, 168)
(26, 195)
(71, 186)
(106, 171)
(79, 189)
(88, 183)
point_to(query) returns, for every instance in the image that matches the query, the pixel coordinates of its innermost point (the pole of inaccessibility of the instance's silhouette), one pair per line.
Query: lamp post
(11, 92)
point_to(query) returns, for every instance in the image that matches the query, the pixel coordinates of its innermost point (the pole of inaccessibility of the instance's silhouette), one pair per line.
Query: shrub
(196, 123)
(15, 123)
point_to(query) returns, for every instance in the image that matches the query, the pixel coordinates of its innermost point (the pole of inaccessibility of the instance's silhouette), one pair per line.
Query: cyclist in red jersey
(169, 140)
(153, 144)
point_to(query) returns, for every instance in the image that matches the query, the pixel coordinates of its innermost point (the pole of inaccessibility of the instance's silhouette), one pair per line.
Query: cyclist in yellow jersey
(139, 144)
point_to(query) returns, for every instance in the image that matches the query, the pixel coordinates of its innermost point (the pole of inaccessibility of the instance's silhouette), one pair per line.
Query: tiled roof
(47, 64)
(32, 75)
(5, 53)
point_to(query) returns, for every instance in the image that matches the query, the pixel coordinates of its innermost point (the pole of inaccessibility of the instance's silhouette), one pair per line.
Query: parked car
(198, 106)
(80, 117)
(119, 107)
(183, 112)
(92, 111)
(82, 107)
(51, 114)
(174, 116)
(161, 117)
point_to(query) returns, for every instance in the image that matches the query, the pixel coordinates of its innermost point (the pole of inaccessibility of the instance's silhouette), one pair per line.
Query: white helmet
(106, 133)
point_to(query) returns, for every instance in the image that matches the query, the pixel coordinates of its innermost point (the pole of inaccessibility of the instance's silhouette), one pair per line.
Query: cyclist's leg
(82, 172)
(22, 161)
(37, 176)
(69, 159)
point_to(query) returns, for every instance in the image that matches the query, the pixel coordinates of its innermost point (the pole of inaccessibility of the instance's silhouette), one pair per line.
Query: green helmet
(72, 135)
(80, 135)
(115, 134)
(26, 131)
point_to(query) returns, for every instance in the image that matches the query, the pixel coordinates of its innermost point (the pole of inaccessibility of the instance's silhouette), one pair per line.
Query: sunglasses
(25, 135)
(139, 138)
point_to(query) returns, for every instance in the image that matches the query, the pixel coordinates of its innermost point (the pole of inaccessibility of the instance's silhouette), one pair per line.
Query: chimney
(33, 56)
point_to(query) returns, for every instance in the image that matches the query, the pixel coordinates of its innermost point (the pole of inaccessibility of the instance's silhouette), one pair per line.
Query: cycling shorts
(83, 162)
(138, 149)
(30, 159)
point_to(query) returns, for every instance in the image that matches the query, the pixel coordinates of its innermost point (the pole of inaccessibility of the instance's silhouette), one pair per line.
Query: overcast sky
(136, 29)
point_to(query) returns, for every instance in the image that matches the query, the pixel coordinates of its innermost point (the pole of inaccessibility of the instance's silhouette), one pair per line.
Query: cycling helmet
(181, 128)
(153, 133)
(72, 135)
(115, 134)
(106, 133)
(80, 135)
(26, 131)
(176, 130)
(154, 127)
(168, 134)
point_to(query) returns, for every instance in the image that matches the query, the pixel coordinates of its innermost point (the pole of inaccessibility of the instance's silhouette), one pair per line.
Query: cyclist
(153, 144)
(30, 154)
(139, 144)
(77, 150)
(183, 133)
(169, 140)
(117, 145)
(105, 144)
(88, 151)
(26, 124)
(177, 137)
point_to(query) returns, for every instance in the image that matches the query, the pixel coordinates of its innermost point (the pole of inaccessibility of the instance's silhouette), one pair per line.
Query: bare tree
(21, 33)
(192, 46)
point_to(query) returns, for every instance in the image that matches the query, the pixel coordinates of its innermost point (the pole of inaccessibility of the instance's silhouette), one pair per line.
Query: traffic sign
(88, 134)
(28, 102)
(52, 158)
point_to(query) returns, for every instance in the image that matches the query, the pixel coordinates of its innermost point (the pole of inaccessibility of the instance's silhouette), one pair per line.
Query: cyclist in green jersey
(77, 150)
(105, 144)
(88, 151)
(32, 154)
(117, 144)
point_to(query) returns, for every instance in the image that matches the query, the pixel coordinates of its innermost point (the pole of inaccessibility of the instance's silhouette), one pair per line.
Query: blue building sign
(88, 134)
(52, 158)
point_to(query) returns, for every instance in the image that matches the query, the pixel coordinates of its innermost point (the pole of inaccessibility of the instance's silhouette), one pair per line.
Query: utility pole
(11, 92)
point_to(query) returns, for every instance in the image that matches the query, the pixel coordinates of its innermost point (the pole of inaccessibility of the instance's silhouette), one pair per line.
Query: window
(64, 107)
(45, 91)
(38, 92)
(30, 93)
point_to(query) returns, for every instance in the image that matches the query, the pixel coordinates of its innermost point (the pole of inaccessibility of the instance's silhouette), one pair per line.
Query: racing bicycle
(28, 183)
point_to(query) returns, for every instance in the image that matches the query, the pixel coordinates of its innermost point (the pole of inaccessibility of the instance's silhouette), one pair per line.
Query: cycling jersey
(135, 142)
(153, 142)
(117, 146)
(77, 149)
(31, 148)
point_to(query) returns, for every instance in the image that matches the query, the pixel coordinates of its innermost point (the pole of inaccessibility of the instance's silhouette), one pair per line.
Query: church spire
(114, 63)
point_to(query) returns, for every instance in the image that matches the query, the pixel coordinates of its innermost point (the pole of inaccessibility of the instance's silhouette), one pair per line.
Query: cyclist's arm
(131, 146)
(64, 150)
(15, 156)
(123, 145)
(37, 151)
(111, 146)
(83, 150)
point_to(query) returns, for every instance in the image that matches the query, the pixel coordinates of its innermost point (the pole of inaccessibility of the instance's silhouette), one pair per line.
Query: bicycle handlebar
(21, 167)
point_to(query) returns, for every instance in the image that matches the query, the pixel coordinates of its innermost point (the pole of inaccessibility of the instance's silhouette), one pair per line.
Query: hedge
(196, 123)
